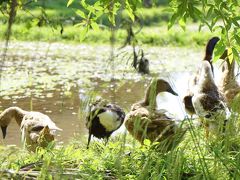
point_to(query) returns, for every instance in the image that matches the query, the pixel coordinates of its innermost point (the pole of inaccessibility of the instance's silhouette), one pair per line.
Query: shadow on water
(57, 84)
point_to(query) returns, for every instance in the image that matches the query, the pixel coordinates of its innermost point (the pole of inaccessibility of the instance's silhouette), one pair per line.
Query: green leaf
(83, 23)
(235, 54)
(95, 26)
(129, 11)
(182, 23)
(237, 38)
(130, 14)
(69, 2)
(83, 33)
(81, 14)
(197, 12)
(230, 54)
(210, 12)
(191, 10)
(219, 50)
(147, 142)
(173, 20)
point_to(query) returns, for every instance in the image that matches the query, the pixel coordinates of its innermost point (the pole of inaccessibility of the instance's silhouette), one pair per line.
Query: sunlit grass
(123, 157)
(154, 36)
(155, 33)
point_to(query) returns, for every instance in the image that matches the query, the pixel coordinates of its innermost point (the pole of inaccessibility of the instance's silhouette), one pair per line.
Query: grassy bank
(124, 158)
(30, 25)
(152, 36)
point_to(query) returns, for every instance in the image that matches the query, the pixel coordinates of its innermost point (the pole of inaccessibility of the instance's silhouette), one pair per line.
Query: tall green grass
(124, 158)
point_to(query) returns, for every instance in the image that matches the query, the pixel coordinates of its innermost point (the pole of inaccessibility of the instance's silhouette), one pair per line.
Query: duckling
(208, 102)
(37, 129)
(187, 100)
(103, 119)
(145, 122)
(228, 84)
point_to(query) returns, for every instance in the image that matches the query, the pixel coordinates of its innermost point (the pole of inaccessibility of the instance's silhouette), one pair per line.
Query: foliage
(217, 15)
(29, 26)
(92, 12)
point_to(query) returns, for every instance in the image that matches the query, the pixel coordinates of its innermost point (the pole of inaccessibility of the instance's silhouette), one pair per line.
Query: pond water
(56, 79)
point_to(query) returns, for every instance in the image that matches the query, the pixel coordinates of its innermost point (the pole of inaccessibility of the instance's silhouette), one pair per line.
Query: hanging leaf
(237, 38)
(95, 26)
(235, 55)
(83, 33)
(230, 54)
(129, 11)
(81, 14)
(172, 21)
(219, 50)
(69, 2)
(182, 23)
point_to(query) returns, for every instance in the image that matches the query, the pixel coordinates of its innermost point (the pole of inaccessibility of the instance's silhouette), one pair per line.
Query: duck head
(9, 114)
(210, 47)
(4, 131)
(156, 86)
(45, 136)
(164, 86)
(5, 119)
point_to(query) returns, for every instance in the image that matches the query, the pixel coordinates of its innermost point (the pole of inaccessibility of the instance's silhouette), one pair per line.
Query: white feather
(109, 120)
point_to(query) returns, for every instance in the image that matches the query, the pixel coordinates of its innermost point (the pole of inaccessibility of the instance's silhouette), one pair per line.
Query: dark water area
(57, 79)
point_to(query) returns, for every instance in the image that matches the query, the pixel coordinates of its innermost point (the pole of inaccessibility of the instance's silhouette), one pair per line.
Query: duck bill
(170, 90)
(4, 131)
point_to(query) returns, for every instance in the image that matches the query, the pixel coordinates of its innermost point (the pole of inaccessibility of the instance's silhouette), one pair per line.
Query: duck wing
(208, 105)
(36, 121)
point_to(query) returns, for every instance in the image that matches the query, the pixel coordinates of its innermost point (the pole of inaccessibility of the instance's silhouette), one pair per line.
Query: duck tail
(209, 50)
(210, 47)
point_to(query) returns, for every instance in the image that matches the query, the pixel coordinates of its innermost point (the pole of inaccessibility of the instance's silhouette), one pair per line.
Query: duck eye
(37, 128)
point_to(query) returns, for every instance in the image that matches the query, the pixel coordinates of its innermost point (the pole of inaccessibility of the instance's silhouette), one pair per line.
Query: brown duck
(228, 84)
(187, 100)
(37, 129)
(145, 122)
